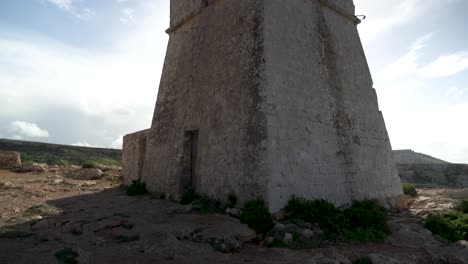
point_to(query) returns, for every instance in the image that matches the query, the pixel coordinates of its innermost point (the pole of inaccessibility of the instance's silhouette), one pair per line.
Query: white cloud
(107, 93)
(117, 144)
(446, 65)
(86, 144)
(409, 63)
(385, 16)
(63, 4)
(69, 6)
(127, 16)
(25, 129)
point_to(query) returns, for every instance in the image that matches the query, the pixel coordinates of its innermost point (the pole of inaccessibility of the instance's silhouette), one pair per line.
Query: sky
(86, 72)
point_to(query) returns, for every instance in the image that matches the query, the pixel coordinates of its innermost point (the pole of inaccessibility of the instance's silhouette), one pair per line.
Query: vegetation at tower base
(66, 256)
(188, 196)
(409, 189)
(137, 188)
(200, 203)
(257, 216)
(362, 222)
(365, 260)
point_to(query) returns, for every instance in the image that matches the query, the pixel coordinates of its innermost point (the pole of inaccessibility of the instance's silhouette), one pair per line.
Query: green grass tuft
(364, 221)
(90, 165)
(126, 239)
(232, 200)
(188, 197)
(365, 260)
(66, 256)
(257, 216)
(137, 188)
(462, 206)
(451, 225)
(409, 189)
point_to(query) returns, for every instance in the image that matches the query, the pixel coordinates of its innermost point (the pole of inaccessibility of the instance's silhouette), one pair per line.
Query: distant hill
(407, 156)
(53, 154)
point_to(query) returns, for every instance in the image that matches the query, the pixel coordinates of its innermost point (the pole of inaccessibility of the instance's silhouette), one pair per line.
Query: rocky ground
(70, 215)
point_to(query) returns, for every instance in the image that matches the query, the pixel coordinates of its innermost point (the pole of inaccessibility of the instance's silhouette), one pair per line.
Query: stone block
(9, 160)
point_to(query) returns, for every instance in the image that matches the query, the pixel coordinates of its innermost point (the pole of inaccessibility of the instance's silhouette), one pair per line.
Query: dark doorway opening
(191, 157)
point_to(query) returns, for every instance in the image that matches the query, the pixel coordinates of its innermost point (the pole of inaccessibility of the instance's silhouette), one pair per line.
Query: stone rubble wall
(133, 156)
(449, 175)
(9, 160)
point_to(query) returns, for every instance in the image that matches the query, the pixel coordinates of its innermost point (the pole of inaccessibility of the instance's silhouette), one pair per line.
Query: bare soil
(48, 218)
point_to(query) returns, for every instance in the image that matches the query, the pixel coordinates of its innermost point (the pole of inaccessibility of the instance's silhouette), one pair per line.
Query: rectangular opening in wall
(191, 158)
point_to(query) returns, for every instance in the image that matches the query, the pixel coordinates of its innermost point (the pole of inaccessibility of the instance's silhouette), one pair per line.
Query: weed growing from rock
(451, 225)
(365, 260)
(188, 197)
(363, 221)
(137, 188)
(462, 206)
(205, 205)
(257, 216)
(89, 165)
(126, 239)
(232, 200)
(409, 189)
(66, 256)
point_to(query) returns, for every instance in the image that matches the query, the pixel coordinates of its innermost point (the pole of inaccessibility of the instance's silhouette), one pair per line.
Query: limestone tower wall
(266, 98)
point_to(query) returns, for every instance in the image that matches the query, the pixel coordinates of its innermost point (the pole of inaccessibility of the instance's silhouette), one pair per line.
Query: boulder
(86, 174)
(9, 160)
(35, 167)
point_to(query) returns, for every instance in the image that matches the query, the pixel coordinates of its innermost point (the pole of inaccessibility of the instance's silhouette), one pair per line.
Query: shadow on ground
(111, 227)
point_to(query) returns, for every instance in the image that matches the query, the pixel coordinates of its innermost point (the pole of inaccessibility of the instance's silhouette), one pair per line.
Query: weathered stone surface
(133, 156)
(35, 167)
(449, 175)
(265, 98)
(86, 174)
(9, 160)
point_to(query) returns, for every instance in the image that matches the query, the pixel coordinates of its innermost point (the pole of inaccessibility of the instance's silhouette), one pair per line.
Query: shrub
(365, 260)
(137, 188)
(257, 216)
(126, 239)
(409, 189)
(451, 225)
(232, 200)
(205, 205)
(188, 197)
(89, 165)
(363, 221)
(66, 256)
(463, 206)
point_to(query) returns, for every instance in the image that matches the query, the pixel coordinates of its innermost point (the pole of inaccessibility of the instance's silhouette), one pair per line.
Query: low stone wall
(133, 156)
(9, 160)
(449, 175)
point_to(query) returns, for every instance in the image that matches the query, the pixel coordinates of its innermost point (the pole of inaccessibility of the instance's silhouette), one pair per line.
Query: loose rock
(85, 174)
(9, 160)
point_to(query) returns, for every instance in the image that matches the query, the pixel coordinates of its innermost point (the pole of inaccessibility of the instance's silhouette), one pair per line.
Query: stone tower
(265, 98)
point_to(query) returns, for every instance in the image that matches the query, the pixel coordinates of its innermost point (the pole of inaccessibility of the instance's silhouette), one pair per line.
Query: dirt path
(47, 218)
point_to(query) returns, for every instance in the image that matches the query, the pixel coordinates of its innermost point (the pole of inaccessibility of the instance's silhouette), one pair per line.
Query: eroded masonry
(265, 98)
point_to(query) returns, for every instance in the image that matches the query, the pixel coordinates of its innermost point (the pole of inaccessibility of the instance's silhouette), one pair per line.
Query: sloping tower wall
(268, 98)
